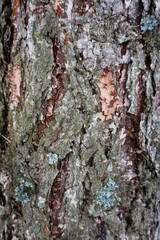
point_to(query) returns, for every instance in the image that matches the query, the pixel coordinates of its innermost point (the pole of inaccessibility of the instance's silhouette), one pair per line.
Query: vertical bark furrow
(57, 85)
(56, 199)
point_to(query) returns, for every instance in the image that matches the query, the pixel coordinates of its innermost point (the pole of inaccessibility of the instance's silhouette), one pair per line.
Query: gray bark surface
(79, 119)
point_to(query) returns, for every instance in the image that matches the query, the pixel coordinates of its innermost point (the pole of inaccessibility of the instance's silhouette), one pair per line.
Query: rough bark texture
(79, 119)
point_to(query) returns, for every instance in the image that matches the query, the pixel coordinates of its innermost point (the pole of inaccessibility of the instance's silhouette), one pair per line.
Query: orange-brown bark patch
(83, 6)
(16, 4)
(59, 7)
(109, 98)
(15, 83)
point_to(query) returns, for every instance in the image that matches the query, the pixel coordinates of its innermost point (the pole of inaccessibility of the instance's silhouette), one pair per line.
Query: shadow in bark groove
(57, 83)
(56, 198)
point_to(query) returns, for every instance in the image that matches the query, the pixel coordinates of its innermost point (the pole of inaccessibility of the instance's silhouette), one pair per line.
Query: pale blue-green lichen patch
(41, 202)
(148, 23)
(107, 196)
(22, 191)
(53, 158)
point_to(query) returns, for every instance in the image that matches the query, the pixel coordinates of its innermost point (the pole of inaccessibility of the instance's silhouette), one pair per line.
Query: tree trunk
(79, 120)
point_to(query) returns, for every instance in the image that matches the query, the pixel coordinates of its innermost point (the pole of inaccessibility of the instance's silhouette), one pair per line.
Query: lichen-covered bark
(79, 119)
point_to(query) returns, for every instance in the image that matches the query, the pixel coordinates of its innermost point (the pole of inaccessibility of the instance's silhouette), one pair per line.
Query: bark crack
(57, 84)
(56, 198)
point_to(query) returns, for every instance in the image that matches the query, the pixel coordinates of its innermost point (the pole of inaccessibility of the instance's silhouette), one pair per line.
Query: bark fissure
(57, 85)
(56, 198)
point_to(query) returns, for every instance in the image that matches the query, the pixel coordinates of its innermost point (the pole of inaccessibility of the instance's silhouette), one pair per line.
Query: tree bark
(79, 120)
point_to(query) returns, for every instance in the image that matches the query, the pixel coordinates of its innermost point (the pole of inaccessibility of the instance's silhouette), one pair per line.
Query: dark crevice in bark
(122, 75)
(7, 41)
(140, 9)
(107, 152)
(132, 124)
(7, 36)
(123, 2)
(140, 97)
(57, 83)
(127, 214)
(8, 234)
(132, 144)
(2, 197)
(56, 197)
(99, 228)
(9, 44)
(90, 162)
(9, 32)
(94, 90)
(148, 61)
(5, 4)
(25, 4)
(86, 190)
(152, 6)
(148, 164)
(153, 83)
(83, 130)
(86, 198)
(4, 127)
(124, 47)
